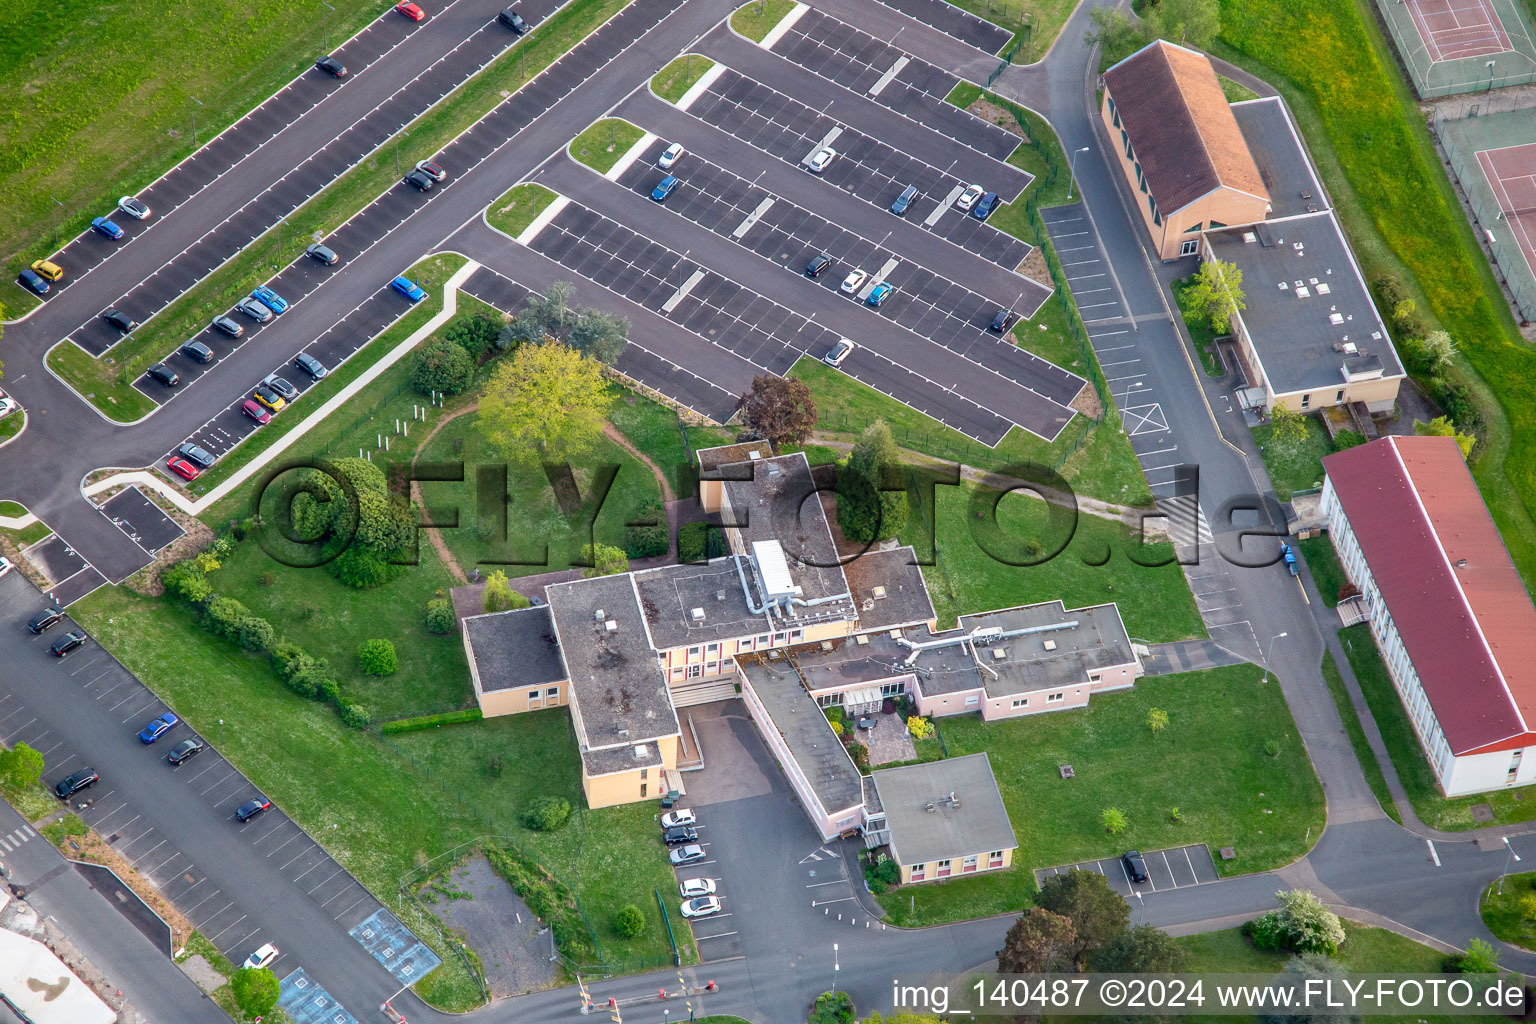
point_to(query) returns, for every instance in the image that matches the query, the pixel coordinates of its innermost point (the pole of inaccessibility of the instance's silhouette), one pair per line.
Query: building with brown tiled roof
(1180, 147)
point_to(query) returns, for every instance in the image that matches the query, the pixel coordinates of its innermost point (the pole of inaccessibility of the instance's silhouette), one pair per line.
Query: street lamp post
(1072, 176)
(1270, 650)
(1512, 856)
(397, 150)
(193, 112)
(325, 24)
(56, 222)
(1490, 75)
(835, 967)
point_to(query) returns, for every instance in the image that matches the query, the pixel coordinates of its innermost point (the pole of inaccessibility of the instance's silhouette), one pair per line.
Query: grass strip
(672, 81)
(1235, 92)
(1369, 139)
(756, 20)
(1374, 777)
(518, 207)
(330, 208)
(1504, 909)
(1199, 329)
(1327, 571)
(604, 142)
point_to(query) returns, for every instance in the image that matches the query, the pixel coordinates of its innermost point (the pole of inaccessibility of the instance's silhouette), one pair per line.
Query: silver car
(255, 310)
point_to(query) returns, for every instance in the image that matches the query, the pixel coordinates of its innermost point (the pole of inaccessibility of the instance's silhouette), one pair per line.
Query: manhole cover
(1228, 853)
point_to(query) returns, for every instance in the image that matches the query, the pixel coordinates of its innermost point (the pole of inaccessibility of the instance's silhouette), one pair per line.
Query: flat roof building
(945, 818)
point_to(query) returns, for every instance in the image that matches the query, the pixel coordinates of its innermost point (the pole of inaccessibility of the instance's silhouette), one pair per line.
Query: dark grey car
(310, 365)
(195, 454)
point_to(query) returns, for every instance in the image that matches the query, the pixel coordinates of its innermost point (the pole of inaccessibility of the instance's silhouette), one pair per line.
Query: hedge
(430, 721)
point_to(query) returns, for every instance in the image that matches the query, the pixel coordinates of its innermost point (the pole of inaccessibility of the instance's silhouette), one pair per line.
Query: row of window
(711, 651)
(1050, 698)
(1306, 400)
(945, 868)
(543, 698)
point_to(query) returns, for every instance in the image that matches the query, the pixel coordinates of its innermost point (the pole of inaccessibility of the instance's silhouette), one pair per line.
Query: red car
(253, 409)
(410, 10)
(183, 468)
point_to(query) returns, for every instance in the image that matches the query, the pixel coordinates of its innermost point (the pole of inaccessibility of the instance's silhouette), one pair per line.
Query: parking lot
(953, 21)
(141, 520)
(865, 166)
(85, 711)
(1178, 868)
(928, 304)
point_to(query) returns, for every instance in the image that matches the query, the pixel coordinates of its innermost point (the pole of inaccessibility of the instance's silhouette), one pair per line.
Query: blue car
(159, 727)
(107, 228)
(984, 206)
(661, 191)
(879, 293)
(269, 298)
(410, 289)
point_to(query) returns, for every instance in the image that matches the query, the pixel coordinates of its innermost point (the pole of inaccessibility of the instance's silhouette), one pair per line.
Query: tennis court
(1454, 46)
(1494, 160)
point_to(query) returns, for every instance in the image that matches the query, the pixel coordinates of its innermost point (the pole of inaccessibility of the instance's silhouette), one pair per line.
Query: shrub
(377, 657)
(1301, 925)
(629, 922)
(310, 680)
(442, 365)
(254, 633)
(188, 581)
(355, 716)
(498, 595)
(1113, 820)
(440, 617)
(837, 728)
(832, 1008)
(860, 754)
(363, 568)
(919, 727)
(835, 713)
(1480, 958)
(328, 690)
(1348, 439)
(696, 542)
(224, 615)
(646, 541)
(547, 813)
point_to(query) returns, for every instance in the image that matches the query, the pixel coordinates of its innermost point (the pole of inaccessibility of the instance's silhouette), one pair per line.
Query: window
(779, 638)
(1514, 767)
(1021, 702)
(995, 859)
(553, 693)
(1338, 396)
(1193, 228)
(677, 673)
(533, 698)
(643, 788)
(830, 700)
(1052, 698)
(1216, 224)
(969, 864)
(712, 668)
(712, 648)
(919, 872)
(1125, 140)
(1306, 401)
(1190, 247)
(943, 871)
(973, 700)
(892, 689)
(746, 643)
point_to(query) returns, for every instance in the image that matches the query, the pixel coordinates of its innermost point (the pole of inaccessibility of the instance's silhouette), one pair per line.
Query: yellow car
(52, 271)
(269, 398)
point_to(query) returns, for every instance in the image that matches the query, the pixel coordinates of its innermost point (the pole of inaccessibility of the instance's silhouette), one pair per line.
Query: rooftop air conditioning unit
(862, 639)
(754, 454)
(1050, 645)
(999, 653)
(878, 593)
(641, 750)
(611, 626)
(697, 615)
(599, 615)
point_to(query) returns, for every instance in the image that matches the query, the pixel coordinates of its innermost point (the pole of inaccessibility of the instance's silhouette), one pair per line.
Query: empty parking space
(951, 20)
(891, 77)
(144, 522)
(864, 166)
(55, 559)
(307, 1002)
(1178, 868)
(393, 945)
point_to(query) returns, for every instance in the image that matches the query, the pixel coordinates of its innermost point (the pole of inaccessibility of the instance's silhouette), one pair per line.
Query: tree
(1300, 971)
(599, 335)
(1096, 911)
(780, 408)
(20, 767)
(499, 596)
(372, 517)
(442, 365)
(1441, 426)
(1189, 22)
(629, 921)
(377, 657)
(1302, 925)
(1140, 950)
(1157, 720)
(476, 332)
(440, 617)
(547, 403)
(255, 990)
(544, 316)
(552, 317)
(832, 1008)
(1216, 294)
(1116, 34)
(1480, 958)
(1287, 426)
(603, 560)
(1113, 820)
(355, 716)
(1431, 355)
(864, 511)
(1040, 941)
(547, 813)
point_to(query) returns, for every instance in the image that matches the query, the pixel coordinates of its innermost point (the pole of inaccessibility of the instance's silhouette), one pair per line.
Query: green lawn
(1095, 566)
(1403, 745)
(1368, 136)
(1502, 913)
(601, 145)
(1294, 465)
(1199, 330)
(678, 77)
(1324, 565)
(31, 802)
(93, 118)
(393, 811)
(435, 269)
(111, 377)
(1363, 753)
(518, 207)
(1209, 763)
(756, 20)
(12, 424)
(1235, 92)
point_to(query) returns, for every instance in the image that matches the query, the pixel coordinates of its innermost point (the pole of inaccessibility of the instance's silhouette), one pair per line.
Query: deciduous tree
(603, 560)
(1140, 950)
(255, 991)
(1040, 941)
(1116, 34)
(1217, 294)
(1287, 426)
(1441, 426)
(20, 767)
(780, 408)
(546, 404)
(1157, 720)
(865, 512)
(1096, 911)
(442, 365)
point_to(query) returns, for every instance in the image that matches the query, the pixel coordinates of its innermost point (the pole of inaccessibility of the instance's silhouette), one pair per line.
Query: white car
(969, 196)
(263, 957)
(670, 156)
(697, 887)
(839, 352)
(5, 565)
(7, 406)
(701, 906)
(133, 207)
(681, 816)
(854, 281)
(820, 159)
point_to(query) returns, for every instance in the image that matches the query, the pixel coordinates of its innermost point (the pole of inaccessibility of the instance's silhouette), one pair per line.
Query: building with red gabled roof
(1450, 613)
